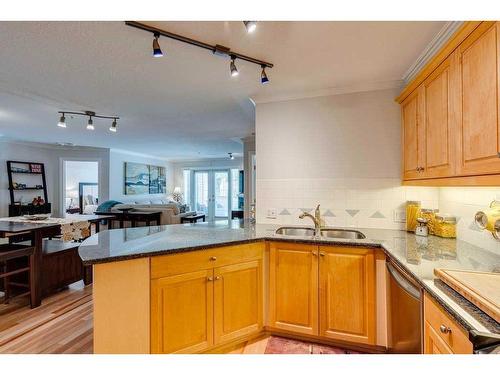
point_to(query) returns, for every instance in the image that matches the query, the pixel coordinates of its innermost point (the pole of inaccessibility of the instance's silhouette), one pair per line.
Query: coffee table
(193, 218)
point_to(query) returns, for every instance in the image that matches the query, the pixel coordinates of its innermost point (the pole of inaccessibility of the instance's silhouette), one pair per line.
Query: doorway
(211, 193)
(80, 186)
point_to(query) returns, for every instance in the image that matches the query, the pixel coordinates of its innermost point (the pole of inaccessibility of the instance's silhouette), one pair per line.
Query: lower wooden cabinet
(327, 291)
(194, 310)
(293, 283)
(237, 301)
(182, 311)
(347, 294)
(442, 335)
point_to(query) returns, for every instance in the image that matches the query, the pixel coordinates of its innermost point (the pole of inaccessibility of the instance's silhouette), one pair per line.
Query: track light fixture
(112, 128)
(231, 155)
(215, 49)
(232, 67)
(156, 46)
(250, 26)
(90, 122)
(263, 75)
(62, 121)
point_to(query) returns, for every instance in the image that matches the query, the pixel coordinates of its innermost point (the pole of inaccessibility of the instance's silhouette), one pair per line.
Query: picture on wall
(144, 179)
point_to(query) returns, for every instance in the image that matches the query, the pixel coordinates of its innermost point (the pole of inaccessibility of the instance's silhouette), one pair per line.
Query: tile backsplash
(347, 202)
(464, 203)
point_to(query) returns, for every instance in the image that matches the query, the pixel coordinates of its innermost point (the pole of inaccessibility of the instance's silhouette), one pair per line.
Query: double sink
(325, 232)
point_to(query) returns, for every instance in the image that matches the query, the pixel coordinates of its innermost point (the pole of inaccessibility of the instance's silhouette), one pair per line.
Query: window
(187, 186)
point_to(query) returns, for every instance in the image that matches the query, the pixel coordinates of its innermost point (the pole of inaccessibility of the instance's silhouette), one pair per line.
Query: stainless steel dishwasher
(405, 312)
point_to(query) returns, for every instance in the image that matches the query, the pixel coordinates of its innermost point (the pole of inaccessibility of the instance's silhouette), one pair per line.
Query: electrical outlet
(399, 216)
(271, 213)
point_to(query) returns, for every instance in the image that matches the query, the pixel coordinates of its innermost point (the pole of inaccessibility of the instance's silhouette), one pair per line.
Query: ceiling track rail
(216, 49)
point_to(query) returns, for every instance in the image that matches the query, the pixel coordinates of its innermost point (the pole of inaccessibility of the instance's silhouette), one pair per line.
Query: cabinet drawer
(167, 265)
(454, 336)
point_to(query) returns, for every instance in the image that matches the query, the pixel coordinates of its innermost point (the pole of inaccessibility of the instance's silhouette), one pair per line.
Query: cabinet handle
(217, 278)
(313, 253)
(210, 278)
(444, 329)
(322, 254)
(213, 259)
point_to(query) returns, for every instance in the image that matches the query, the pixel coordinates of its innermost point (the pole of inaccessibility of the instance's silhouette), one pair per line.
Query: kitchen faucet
(316, 219)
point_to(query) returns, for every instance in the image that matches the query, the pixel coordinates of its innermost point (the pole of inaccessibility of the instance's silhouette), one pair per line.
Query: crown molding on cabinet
(350, 89)
(432, 48)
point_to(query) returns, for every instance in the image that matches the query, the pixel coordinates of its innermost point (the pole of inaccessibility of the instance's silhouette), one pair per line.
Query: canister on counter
(412, 214)
(430, 215)
(446, 226)
(422, 228)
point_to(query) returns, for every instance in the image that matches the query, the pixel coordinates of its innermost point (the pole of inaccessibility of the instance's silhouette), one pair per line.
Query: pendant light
(232, 67)
(90, 124)
(112, 128)
(62, 121)
(250, 26)
(156, 46)
(263, 75)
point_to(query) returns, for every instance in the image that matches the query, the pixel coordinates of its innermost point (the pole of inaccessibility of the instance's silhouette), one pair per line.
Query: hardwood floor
(62, 324)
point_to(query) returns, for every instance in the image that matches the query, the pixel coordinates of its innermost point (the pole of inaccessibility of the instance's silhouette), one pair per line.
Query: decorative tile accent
(284, 212)
(329, 213)
(352, 212)
(378, 215)
(308, 210)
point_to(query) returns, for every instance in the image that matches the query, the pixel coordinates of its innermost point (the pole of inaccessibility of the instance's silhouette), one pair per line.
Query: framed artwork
(144, 179)
(136, 178)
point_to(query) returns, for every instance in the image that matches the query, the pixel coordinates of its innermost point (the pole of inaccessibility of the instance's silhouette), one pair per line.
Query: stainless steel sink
(295, 231)
(342, 233)
(325, 232)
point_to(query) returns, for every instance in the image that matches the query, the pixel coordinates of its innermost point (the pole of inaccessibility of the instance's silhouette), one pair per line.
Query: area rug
(280, 345)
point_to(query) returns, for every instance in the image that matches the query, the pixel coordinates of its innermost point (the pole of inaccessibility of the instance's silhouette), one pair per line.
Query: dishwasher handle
(403, 282)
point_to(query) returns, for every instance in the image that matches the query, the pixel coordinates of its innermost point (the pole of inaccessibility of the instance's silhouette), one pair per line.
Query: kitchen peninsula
(199, 287)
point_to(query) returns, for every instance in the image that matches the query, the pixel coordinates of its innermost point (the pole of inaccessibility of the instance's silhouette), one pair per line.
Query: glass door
(211, 193)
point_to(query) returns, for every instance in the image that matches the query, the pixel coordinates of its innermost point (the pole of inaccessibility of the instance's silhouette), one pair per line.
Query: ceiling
(184, 105)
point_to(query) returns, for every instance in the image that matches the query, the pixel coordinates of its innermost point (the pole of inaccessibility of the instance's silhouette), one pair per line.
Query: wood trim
(121, 307)
(457, 38)
(484, 180)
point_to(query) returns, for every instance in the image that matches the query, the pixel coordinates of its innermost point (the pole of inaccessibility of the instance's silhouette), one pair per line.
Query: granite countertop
(418, 256)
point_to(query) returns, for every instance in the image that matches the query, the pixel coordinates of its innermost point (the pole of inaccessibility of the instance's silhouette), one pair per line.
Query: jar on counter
(430, 215)
(446, 226)
(412, 214)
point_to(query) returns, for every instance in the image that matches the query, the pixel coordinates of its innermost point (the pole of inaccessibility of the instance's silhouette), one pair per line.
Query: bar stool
(8, 253)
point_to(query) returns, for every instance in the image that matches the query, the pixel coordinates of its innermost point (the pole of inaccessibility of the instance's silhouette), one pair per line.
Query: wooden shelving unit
(32, 168)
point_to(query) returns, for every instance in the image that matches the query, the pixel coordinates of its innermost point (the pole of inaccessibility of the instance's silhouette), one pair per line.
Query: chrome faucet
(316, 220)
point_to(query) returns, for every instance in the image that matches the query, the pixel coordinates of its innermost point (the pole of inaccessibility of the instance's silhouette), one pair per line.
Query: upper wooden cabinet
(480, 127)
(450, 121)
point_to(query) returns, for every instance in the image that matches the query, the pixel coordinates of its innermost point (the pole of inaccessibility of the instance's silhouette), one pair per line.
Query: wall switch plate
(399, 216)
(271, 213)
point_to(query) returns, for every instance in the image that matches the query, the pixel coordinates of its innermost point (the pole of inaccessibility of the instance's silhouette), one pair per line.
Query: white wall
(342, 151)
(52, 157)
(117, 159)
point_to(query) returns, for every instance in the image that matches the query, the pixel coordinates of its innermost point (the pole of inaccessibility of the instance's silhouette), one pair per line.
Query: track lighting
(250, 26)
(263, 75)
(217, 50)
(232, 67)
(113, 126)
(90, 124)
(62, 121)
(231, 155)
(156, 46)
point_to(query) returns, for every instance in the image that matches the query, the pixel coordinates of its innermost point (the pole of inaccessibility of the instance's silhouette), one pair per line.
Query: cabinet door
(479, 144)
(412, 134)
(440, 96)
(347, 294)
(237, 300)
(293, 287)
(433, 344)
(182, 313)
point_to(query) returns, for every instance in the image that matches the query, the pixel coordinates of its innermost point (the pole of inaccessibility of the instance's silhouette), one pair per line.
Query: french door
(211, 193)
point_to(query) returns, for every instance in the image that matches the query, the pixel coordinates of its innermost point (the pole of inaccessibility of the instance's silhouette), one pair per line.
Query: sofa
(170, 210)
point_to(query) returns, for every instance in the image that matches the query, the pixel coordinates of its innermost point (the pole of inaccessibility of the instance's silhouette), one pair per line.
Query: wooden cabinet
(442, 335)
(480, 126)
(237, 300)
(347, 294)
(205, 298)
(326, 291)
(182, 313)
(450, 118)
(293, 283)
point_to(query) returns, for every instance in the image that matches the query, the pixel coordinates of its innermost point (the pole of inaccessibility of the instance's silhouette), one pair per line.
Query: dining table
(15, 228)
